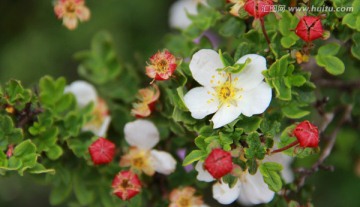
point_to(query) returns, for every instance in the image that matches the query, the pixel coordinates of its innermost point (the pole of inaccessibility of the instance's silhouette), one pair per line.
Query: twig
(264, 31)
(338, 84)
(326, 152)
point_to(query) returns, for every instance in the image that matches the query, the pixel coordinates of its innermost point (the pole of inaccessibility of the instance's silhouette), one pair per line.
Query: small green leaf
(332, 65)
(226, 59)
(193, 156)
(294, 112)
(271, 174)
(54, 152)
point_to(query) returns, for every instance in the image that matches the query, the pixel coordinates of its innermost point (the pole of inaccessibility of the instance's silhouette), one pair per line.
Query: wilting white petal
(142, 134)
(203, 67)
(256, 101)
(225, 195)
(83, 91)
(254, 190)
(251, 76)
(163, 162)
(201, 102)
(225, 115)
(203, 175)
(104, 126)
(178, 16)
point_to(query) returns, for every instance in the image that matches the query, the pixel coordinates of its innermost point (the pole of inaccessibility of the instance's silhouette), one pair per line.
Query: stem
(286, 147)
(264, 31)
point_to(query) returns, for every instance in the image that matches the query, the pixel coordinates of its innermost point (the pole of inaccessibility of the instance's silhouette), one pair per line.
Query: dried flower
(71, 11)
(147, 98)
(185, 197)
(309, 28)
(218, 163)
(102, 151)
(126, 185)
(162, 65)
(307, 134)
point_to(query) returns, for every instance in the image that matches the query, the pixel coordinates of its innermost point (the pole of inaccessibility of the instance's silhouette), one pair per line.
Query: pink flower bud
(218, 163)
(309, 28)
(258, 8)
(307, 134)
(126, 185)
(162, 65)
(102, 151)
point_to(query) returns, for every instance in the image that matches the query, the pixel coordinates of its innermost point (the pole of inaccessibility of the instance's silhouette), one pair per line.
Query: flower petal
(201, 102)
(203, 175)
(225, 195)
(255, 101)
(70, 21)
(251, 75)
(178, 13)
(142, 134)
(163, 162)
(83, 91)
(254, 190)
(203, 67)
(104, 127)
(83, 13)
(225, 115)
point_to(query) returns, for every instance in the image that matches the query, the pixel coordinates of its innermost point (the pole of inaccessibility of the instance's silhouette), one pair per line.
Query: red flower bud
(258, 8)
(126, 185)
(218, 163)
(309, 28)
(307, 134)
(102, 151)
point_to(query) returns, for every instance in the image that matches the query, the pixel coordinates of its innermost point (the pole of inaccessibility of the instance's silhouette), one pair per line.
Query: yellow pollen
(138, 162)
(183, 202)
(226, 94)
(70, 7)
(161, 66)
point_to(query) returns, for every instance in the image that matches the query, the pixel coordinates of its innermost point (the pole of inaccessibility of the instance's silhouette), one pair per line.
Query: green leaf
(275, 76)
(83, 193)
(332, 65)
(249, 124)
(193, 156)
(352, 19)
(230, 180)
(286, 23)
(271, 174)
(51, 91)
(54, 152)
(60, 193)
(40, 169)
(232, 27)
(355, 49)
(252, 166)
(294, 112)
(9, 134)
(226, 59)
(329, 49)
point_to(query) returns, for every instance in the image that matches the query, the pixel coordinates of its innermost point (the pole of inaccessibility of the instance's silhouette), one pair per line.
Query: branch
(326, 151)
(338, 84)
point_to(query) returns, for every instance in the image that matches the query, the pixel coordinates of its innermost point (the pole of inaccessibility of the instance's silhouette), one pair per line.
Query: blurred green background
(33, 43)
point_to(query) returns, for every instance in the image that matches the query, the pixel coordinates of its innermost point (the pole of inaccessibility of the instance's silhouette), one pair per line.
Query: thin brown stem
(264, 31)
(286, 147)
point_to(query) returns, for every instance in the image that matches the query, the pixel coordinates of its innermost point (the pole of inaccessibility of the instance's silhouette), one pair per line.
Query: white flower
(249, 189)
(178, 13)
(229, 95)
(85, 93)
(142, 136)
